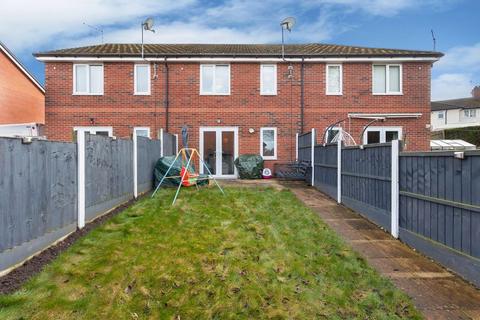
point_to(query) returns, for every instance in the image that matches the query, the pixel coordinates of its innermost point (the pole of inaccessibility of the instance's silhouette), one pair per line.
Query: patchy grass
(255, 253)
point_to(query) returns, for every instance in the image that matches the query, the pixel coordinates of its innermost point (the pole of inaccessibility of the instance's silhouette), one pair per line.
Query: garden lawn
(253, 253)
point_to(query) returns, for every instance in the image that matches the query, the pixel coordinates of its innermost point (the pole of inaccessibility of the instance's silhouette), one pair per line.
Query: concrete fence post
(176, 143)
(339, 171)
(395, 188)
(313, 156)
(161, 143)
(81, 178)
(296, 147)
(135, 167)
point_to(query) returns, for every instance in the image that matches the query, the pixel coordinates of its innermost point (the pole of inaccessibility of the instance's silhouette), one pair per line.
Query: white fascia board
(240, 59)
(383, 115)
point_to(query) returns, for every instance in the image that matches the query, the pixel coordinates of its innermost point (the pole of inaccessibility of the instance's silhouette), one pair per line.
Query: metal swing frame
(186, 153)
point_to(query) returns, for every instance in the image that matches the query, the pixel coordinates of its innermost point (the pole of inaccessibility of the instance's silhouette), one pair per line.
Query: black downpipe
(167, 97)
(302, 95)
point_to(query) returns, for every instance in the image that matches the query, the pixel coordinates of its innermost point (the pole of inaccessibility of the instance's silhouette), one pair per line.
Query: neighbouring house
(238, 99)
(22, 98)
(456, 113)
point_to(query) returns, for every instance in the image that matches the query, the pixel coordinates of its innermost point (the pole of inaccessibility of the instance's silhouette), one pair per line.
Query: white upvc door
(219, 149)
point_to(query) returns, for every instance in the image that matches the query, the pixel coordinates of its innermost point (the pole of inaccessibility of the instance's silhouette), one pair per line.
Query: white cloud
(30, 23)
(462, 57)
(451, 85)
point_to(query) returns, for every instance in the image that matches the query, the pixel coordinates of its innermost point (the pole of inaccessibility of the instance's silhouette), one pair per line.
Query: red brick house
(239, 99)
(22, 98)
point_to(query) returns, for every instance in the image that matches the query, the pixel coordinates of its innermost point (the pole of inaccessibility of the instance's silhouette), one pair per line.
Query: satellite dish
(288, 23)
(148, 24)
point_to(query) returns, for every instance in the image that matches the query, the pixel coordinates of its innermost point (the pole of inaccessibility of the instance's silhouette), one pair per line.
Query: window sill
(141, 93)
(214, 94)
(269, 158)
(87, 94)
(268, 94)
(334, 94)
(388, 94)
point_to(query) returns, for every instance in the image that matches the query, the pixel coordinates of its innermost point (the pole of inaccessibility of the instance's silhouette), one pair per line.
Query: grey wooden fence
(148, 153)
(440, 208)
(38, 196)
(169, 144)
(366, 181)
(39, 185)
(108, 173)
(325, 158)
(305, 147)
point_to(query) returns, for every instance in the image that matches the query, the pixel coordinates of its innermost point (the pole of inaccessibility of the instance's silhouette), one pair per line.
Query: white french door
(219, 149)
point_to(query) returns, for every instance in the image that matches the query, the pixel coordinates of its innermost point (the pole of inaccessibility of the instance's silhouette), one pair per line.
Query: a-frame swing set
(187, 155)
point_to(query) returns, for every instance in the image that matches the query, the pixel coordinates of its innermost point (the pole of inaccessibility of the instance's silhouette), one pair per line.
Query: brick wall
(21, 101)
(245, 107)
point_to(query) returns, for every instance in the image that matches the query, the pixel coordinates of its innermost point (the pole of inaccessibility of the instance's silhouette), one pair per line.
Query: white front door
(219, 149)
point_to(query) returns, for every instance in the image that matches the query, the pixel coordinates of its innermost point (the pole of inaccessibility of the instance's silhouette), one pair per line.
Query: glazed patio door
(218, 149)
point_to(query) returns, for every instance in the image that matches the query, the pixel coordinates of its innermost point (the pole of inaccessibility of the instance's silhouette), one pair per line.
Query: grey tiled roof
(234, 50)
(465, 103)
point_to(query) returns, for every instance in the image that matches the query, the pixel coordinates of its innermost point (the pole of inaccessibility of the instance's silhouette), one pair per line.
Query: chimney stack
(476, 92)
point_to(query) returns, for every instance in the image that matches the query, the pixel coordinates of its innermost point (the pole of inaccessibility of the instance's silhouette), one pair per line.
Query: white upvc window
(141, 79)
(88, 79)
(268, 143)
(268, 79)
(141, 132)
(387, 79)
(382, 134)
(440, 115)
(102, 131)
(215, 79)
(332, 133)
(334, 79)
(470, 113)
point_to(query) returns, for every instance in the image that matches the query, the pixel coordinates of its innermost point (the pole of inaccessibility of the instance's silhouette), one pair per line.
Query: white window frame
(94, 129)
(87, 93)
(203, 93)
(262, 92)
(274, 129)
(387, 79)
(472, 113)
(383, 131)
(326, 79)
(135, 92)
(135, 129)
(340, 129)
(441, 115)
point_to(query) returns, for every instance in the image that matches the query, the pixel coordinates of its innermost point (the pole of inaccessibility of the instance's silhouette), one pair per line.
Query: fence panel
(326, 169)
(366, 181)
(440, 208)
(108, 173)
(169, 144)
(148, 153)
(38, 196)
(305, 147)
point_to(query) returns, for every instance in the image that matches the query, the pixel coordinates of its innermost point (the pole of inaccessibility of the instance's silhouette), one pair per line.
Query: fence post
(176, 143)
(339, 171)
(395, 188)
(296, 147)
(81, 178)
(161, 142)
(135, 169)
(313, 156)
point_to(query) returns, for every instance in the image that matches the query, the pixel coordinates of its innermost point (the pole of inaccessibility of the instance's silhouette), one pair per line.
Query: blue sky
(28, 26)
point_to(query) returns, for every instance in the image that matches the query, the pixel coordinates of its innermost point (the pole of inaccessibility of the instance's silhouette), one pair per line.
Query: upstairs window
(88, 79)
(142, 79)
(214, 79)
(387, 79)
(268, 79)
(334, 79)
(268, 143)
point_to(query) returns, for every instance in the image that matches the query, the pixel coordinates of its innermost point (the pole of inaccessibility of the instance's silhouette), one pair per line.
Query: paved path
(436, 292)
